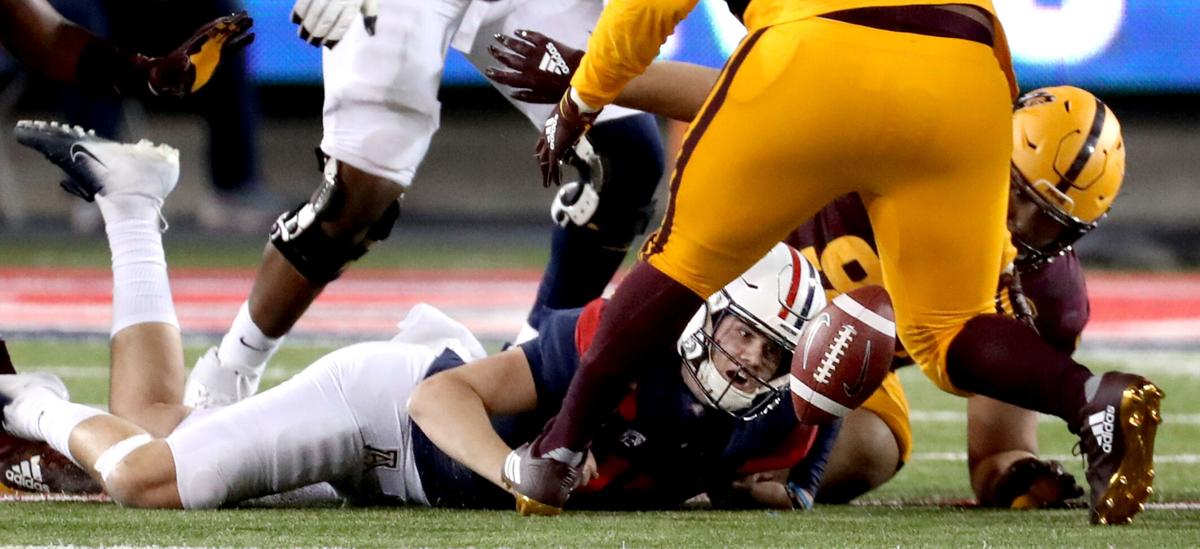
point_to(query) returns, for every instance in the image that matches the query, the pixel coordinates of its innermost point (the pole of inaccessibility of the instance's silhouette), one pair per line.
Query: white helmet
(776, 297)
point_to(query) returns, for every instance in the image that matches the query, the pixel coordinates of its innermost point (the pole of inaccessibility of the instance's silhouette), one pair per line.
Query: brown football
(27, 466)
(842, 355)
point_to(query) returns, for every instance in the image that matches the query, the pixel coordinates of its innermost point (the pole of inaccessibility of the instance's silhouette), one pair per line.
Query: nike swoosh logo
(852, 390)
(242, 340)
(823, 319)
(78, 150)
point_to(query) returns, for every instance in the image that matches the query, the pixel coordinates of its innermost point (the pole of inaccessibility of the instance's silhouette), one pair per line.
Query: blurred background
(247, 139)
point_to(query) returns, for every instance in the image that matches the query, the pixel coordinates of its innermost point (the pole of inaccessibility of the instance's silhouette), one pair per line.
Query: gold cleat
(1130, 455)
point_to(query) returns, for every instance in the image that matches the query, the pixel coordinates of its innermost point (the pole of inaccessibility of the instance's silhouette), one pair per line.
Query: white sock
(141, 290)
(124, 207)
(245, 344)
(59, 421)
(42, 415)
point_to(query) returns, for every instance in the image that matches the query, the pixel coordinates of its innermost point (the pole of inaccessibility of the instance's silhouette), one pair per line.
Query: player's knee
(865, 456)
(624, 169)
(349, 211)
(143, 478)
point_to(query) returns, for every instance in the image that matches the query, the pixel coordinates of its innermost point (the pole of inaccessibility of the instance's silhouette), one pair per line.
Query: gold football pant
(891, 405)
(808, 110)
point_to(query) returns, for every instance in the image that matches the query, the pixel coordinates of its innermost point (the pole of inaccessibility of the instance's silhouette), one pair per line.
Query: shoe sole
(1132, 483)
(527, 506)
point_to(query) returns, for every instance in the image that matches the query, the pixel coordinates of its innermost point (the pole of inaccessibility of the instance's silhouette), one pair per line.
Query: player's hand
(324, 22)
(539, 67)
(589, 472)
(561, 131)
(192, 64)
(764, 489)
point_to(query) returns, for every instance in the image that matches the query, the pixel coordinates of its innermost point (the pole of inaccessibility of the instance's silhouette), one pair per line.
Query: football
(842, 355)
(35, 467)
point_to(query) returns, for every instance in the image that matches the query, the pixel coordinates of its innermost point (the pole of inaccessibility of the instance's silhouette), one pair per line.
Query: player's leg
(315, 427)
(593, 236)
(748, 171)
(132, 467)
(1002, 456)
(874, 442)
(585, 251)
(128, 184)
(381, 111)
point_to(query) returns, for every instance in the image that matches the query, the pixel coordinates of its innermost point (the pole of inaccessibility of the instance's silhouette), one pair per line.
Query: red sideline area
(1126, 308)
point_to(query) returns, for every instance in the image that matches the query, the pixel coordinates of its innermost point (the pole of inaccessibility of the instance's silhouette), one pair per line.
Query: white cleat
(99, 167)
(16, 390)
(213, 385)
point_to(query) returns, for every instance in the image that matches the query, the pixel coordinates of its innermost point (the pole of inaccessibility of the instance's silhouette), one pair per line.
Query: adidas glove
(539, 67)
(565, 126)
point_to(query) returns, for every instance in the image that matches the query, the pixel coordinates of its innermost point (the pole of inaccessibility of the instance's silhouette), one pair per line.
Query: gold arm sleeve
(625, 41)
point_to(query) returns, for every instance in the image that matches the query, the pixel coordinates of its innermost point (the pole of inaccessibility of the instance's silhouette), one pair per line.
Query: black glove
(192, 64)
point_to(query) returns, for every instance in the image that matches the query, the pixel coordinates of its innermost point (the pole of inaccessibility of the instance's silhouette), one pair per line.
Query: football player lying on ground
(708, 425)
(876, 439)
(44, 42)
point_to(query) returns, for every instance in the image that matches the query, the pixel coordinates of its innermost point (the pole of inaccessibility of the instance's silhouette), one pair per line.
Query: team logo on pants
(376, 457)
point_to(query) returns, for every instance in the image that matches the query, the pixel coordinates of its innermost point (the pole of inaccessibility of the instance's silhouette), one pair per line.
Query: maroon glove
(561, 131)
(541, 67)
(192, 64)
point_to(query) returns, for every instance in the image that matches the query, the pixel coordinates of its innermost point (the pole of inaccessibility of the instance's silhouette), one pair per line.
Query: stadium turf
(921, 507)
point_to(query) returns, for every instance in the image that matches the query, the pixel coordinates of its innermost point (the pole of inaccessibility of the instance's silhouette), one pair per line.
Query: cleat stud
(1122, 480)
(1149, 490)
(1141, 507)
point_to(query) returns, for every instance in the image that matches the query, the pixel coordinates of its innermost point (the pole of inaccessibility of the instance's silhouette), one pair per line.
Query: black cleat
(98, 166)
(1116, 435)
(540, 485)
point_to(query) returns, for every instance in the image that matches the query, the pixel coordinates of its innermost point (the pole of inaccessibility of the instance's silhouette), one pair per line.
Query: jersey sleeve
(1059, 296)
(625, 41)
(553, 356)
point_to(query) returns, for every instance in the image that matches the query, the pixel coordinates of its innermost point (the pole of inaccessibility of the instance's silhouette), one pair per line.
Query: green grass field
(914, 510)
(910, 511)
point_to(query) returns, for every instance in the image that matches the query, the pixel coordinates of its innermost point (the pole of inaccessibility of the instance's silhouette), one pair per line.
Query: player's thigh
(762, 156)
(937, 198)
(864, 457)
(568, 21)
(308, 429)
(377, 383)
(381, 107)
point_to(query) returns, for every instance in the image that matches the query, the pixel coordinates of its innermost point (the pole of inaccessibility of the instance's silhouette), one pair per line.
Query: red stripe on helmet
(784, 308)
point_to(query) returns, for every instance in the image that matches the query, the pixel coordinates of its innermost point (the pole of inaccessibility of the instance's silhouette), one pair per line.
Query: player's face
(1033, 226)
(756, 356)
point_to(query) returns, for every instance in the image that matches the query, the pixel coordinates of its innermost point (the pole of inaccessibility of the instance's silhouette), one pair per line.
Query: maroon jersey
(840, 243)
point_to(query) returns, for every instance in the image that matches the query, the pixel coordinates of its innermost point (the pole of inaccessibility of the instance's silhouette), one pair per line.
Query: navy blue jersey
(659, 448)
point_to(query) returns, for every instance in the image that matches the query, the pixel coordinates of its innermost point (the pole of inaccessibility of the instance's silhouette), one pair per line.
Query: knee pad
(317, 255)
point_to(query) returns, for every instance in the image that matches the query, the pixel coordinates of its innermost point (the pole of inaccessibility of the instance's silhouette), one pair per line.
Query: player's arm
(667, 88)
(624, 43)
(453, 408)
(41, 39)
(45, 42)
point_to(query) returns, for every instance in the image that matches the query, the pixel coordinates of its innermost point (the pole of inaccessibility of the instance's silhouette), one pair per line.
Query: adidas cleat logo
(512, 468)
(27, 475)
(553, 62)
(1102, 424)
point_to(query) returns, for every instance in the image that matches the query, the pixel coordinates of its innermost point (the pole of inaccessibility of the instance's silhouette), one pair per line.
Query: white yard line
(1185, 459)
